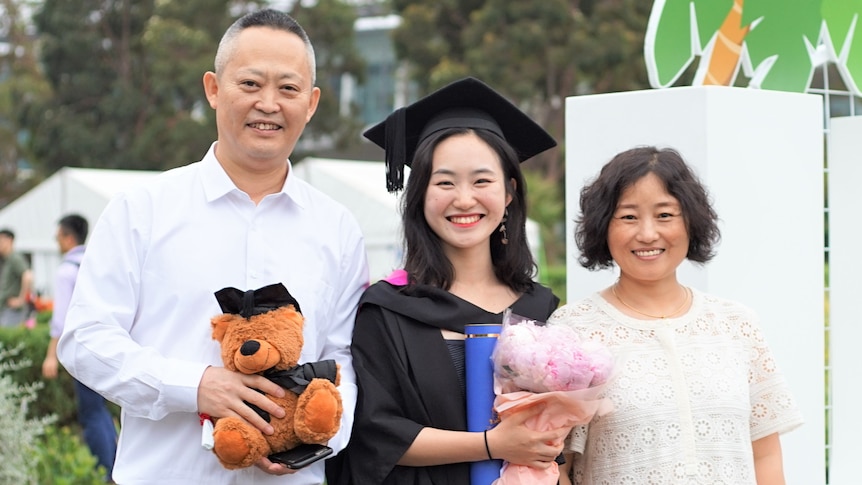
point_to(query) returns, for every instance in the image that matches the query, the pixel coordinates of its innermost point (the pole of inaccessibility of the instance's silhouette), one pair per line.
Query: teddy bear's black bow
(297, 378)
(254, 302)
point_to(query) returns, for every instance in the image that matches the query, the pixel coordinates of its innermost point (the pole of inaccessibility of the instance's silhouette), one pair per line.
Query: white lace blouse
(690, 394)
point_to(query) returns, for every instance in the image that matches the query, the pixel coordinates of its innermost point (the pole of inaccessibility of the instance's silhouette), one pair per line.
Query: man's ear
(313, 100)
(210, 81)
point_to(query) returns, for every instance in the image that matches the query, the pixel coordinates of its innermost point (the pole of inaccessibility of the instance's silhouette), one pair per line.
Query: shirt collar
(294, 188)
(215, 180)
(217, 183)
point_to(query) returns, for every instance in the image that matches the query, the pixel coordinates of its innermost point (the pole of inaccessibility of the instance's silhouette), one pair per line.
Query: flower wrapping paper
(537, 363)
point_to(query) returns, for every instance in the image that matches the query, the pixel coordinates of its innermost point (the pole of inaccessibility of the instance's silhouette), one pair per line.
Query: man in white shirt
(138, 329)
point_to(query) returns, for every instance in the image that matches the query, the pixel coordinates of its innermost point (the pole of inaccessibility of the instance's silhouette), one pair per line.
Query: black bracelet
(487, 449)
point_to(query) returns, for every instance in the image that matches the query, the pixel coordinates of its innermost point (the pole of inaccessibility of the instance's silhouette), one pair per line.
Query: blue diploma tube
(478, 346)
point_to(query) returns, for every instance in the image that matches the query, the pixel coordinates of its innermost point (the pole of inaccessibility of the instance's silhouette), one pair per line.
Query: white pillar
(845, 313)
(761, 155)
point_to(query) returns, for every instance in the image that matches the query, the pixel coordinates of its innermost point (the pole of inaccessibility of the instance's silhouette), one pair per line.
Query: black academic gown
(407, 380)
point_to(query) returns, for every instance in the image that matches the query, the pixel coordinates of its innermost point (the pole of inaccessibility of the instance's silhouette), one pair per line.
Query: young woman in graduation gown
(467, 260)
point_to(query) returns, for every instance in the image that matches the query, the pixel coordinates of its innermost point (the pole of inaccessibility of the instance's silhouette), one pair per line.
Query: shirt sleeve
(773, 409)
(96, 346)
(63, 286)
(353, 281)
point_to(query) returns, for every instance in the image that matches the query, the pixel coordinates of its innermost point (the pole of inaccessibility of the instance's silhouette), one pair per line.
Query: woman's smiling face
(466, 196)
(647, 235)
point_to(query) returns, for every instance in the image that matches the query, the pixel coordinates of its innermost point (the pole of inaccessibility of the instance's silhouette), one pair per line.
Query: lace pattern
(690, 394)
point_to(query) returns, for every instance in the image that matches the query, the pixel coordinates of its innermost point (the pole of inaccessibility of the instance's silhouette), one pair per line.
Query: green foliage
(21, 84)
(126, 79)
(546, 206)
(54, 397)
(537, 53)
(555, 279)
(329, 24)
(58, 457)
(63, 459)
(18, 432)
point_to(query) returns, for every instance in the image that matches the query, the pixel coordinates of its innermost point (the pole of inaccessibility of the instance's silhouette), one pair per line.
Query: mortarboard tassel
(396, 149)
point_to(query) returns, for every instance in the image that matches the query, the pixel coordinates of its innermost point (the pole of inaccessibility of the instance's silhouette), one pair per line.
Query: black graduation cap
(466, 103)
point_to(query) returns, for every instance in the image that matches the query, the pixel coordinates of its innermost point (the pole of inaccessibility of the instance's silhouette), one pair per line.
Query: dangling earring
(505, 239)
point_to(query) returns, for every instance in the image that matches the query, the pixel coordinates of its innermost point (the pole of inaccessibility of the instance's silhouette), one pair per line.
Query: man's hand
(16, 302)
(274, 468)
(221, 394)
(49, 367)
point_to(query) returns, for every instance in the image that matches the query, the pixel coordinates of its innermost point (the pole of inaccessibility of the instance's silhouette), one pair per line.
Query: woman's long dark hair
(425, 261)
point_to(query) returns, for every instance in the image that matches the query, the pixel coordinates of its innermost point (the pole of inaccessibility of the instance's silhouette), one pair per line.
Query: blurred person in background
(16, 281)
(95, 418)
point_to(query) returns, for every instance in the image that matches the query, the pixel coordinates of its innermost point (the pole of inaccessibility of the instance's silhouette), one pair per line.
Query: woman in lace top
(697, 397)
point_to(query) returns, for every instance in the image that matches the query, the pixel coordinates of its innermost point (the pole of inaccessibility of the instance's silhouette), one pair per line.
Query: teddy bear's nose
(249, 347)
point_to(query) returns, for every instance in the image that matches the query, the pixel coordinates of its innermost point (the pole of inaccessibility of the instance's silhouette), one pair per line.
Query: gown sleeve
(381, 432)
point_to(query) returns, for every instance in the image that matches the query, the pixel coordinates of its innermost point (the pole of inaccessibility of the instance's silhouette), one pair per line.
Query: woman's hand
(513, 441)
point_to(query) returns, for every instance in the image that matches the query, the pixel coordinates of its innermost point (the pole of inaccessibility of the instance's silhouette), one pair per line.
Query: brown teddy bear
(260, 332)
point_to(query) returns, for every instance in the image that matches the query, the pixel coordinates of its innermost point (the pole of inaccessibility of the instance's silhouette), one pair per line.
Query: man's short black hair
(75, 225)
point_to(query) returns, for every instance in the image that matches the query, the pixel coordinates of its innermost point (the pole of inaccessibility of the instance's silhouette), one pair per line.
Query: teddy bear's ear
(220, 324)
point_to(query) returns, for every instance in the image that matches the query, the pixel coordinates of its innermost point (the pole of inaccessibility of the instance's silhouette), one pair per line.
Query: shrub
(18, 432)
(54, 397)
(62, 459)
(59, 456)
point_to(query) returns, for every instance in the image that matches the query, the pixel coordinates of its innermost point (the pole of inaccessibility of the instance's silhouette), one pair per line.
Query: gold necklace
(660, 317)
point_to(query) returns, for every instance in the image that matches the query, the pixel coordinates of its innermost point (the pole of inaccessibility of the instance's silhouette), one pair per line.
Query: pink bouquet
(550, 364)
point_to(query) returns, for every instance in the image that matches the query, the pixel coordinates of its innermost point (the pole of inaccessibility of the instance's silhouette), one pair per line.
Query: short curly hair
(600, 197)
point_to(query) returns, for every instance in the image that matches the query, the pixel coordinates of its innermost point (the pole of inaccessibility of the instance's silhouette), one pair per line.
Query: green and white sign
(777, 43)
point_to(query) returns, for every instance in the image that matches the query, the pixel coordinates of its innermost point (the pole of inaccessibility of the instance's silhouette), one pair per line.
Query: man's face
(64, 241)
(5, 245)
(263, 99)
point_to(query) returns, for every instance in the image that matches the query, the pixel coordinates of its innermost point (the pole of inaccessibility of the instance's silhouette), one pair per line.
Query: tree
(126, 82)
(126, 78)
(329, 24)
(21, 84)
(535, 53)
(92, 57)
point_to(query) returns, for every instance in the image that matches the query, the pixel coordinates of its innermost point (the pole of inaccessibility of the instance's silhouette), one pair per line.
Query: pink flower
(539, 358)
(553, 365)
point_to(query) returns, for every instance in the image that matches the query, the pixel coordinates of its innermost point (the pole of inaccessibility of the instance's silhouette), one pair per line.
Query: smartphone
(301, 456)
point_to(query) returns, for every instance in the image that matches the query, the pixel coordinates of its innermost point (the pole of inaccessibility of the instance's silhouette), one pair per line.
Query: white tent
(359, 185)
(33, 217)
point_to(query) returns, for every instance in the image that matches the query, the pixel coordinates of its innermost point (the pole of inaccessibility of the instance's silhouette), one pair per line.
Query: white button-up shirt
(138, 328)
